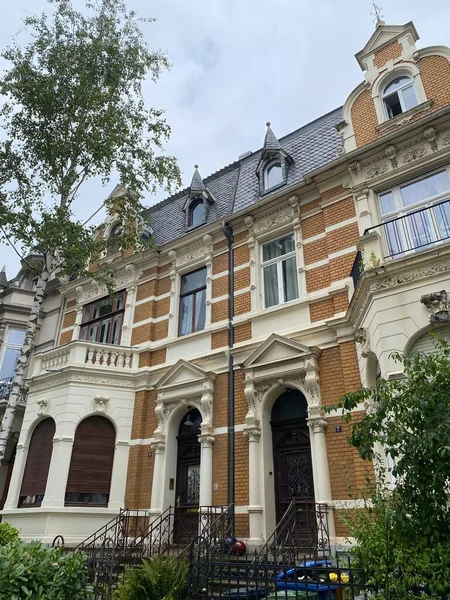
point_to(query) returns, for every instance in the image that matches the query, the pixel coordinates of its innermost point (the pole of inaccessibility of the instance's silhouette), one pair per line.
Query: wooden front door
(292, 465)
(187, 491)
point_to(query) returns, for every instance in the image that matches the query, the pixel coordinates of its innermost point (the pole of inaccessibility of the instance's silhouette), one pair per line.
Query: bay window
(193, 302)
(102, 320)
(279, 271)
(417, 214)
(11, 352)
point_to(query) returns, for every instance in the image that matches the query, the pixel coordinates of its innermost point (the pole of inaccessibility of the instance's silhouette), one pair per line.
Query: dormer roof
(384, 35)
(197, 185)
(3, 278)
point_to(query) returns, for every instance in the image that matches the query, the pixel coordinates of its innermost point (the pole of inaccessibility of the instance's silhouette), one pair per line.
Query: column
(128, 316)
(317, 425)
(255, 509)
(76, 326)
(206, 440)
(16, 479)
(55, 490)
(119, 476)
(159, 446)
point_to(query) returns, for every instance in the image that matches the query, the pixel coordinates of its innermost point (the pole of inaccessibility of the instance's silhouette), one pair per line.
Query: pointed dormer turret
(3, 279)
(197, 186)
(272, 169)
(198, 202)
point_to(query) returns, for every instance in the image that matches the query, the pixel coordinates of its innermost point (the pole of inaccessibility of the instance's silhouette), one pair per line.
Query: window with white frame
(279, 271)
(417, 214)
(399, 96)
(11, 352)
(273, 174)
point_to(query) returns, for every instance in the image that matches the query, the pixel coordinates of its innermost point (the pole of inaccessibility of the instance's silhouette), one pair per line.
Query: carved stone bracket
(391, 153)
(438, 306)
(43, 405)
(362, 337)
(430, 136)
(100, 403)
(163, 410)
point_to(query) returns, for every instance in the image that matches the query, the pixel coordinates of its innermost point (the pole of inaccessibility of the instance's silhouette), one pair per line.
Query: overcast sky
(239, 63)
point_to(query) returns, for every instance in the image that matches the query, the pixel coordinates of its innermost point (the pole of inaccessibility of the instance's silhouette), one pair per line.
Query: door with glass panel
(416, 215)
(188, 478)
(279, 271)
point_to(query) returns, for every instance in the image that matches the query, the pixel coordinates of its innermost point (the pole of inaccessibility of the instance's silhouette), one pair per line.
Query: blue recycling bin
(297, 579)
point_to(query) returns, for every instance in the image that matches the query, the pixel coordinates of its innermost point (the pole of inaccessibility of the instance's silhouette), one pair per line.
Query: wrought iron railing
(418, 229)
(5, 387)
(302, 531)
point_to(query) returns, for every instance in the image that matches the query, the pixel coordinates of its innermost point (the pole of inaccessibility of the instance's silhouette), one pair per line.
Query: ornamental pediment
(277, 349)
(183, 373)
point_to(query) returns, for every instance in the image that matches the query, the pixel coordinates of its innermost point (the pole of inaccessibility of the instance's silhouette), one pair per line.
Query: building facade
(337, 236)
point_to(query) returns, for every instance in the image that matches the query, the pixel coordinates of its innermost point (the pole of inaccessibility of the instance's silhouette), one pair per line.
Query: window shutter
(38, 460)
(426, 342)
(92, 457)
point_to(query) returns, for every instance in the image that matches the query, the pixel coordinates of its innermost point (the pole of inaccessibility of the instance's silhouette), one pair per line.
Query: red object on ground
(239, 548)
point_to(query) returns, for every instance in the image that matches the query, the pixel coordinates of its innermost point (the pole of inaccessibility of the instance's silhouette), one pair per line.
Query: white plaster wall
(287, 318)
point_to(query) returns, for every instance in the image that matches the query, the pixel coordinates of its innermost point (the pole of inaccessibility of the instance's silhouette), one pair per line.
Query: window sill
(405, 117)
(300, 300)
(272, 189)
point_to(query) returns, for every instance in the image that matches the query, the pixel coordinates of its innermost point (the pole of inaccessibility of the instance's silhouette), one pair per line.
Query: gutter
(228, 233)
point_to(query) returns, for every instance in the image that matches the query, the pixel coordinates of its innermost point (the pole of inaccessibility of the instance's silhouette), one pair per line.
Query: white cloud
(239, 63)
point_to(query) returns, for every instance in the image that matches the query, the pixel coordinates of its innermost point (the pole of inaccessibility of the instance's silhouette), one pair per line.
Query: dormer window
(399, 96)
(114, 245)
(273, 174)
(196, 213)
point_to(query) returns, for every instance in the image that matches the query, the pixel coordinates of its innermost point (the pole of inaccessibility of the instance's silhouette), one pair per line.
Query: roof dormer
(198, 202)
(272, 169)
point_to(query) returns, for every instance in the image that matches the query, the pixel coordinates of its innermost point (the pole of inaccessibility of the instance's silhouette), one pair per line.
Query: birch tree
(72, 109)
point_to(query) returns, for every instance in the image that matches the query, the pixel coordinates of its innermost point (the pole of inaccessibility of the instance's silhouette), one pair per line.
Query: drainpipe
(228, 233)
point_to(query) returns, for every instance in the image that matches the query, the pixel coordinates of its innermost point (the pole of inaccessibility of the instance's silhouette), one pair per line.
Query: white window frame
(401, 210)
(278, 261)
(399, 93)
(267, 168)
(8, 345)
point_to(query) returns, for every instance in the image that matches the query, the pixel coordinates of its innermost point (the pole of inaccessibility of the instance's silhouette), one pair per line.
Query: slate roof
(197, 184)
(270, 141)
(235, 187)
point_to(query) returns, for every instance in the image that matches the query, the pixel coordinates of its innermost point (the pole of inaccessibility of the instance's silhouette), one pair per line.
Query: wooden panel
(38, 460)
(92, 457)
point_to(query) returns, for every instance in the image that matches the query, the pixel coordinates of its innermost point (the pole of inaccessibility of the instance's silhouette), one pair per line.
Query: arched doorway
(187, 492)
(293, 474)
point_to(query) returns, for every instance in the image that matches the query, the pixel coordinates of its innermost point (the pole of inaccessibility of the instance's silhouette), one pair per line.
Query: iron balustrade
(5, 388)
(417, 229)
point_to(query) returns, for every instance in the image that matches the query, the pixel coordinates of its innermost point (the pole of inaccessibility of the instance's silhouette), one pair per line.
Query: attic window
(273, 174)
(196, 213)
(114, 245)
(399, 96)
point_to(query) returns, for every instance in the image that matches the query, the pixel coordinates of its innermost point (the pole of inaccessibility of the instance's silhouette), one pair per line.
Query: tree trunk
(18, 384)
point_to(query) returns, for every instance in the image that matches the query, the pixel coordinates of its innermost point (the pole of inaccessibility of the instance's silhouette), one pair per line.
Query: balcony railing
(5, 388)
(415, 230)
(87, 355)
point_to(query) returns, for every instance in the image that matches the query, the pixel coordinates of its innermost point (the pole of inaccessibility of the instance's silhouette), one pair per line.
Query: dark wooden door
(294, 477)
(187, 489)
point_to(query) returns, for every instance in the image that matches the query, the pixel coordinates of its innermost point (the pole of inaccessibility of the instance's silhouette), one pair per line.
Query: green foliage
(159, 578)
(403, 534)
(8, 534)
(33, 572)
(73, 110)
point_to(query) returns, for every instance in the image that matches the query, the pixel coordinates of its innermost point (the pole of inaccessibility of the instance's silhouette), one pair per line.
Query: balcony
(5, 388)
(87, 355)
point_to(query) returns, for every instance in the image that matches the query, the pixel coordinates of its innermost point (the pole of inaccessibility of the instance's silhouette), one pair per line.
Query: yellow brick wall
(389, 52)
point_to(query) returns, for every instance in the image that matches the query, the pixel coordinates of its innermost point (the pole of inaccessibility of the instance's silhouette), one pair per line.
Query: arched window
(196, 214)
(39, 456)
(399, 96)
(115, 232)
(89, 479)
(273, 174)
(426, 342)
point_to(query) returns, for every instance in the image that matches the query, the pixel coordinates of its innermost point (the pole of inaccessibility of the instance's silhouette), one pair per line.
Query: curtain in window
(270, 286)
(200, 310)
(186, 312)
(290, 282)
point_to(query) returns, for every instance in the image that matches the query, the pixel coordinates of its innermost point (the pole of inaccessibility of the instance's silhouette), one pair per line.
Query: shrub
(30, 571)
(8, 534)
(159, 578)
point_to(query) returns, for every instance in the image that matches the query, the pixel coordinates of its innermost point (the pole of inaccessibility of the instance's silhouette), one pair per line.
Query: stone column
(159, 447)
(317, 425)
(76, 326)
(206, 440)
(128, 316)
(255, 509)
(55, 490)
(119, 476)
(16, 479)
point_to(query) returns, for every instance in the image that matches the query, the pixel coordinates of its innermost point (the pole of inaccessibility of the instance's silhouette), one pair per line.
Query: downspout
(228, 233)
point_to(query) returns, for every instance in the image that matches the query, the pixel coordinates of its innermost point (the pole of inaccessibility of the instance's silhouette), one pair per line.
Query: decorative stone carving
(438, 306)
(163, 412)
(312, 386)
(206, 440)
(389, 282)
(191, 253)
(362, 337)
(273, 218)
(252, 433)
(317, 424)
(376, 169)
(93, 380)
(124, 277)
(391, 153)
(354, 168)
(414, 154)
(446, 139)
(430, 136)
(100, 403)
(159, 445)
(254, 395)
(43, 404)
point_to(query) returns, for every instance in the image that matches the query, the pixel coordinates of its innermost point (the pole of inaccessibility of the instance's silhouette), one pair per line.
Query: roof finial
(197, 184)
(195, 166)
(376, 14)
(268, 123)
